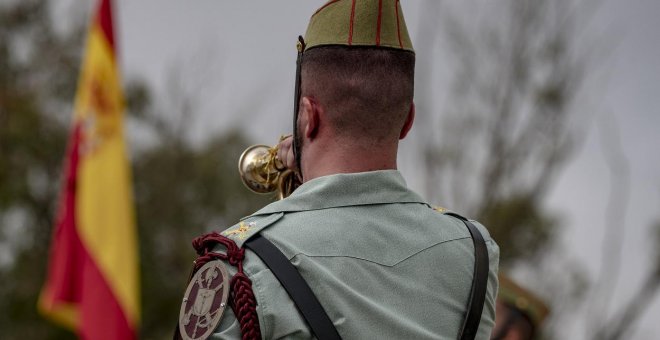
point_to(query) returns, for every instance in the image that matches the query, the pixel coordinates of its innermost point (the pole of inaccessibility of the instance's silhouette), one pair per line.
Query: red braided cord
(204, 246)
(244, 305)
(243, 302)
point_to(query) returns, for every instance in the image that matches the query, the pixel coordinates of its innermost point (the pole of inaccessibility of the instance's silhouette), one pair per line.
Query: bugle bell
(262, 172)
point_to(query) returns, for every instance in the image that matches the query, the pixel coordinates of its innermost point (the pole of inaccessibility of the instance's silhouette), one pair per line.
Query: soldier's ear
(311, 117)
(409, 122)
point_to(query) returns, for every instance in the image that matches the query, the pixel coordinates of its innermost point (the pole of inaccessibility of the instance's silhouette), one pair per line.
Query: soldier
(520, 313)
(352, 253)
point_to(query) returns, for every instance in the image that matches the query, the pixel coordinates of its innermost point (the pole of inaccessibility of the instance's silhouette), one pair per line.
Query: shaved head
(366, 92)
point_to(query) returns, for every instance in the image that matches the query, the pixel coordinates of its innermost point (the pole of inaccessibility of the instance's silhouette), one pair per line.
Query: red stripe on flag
(104, 19)
(64, 278)
(101, 316)
(380, 17)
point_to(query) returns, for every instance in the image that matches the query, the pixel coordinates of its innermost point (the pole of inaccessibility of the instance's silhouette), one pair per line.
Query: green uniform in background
(384, 264)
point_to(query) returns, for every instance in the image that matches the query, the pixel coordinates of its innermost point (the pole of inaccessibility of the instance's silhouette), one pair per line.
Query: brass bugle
(262, 172)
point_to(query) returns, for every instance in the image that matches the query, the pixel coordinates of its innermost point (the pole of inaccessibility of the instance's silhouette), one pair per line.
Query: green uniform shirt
(383, 263)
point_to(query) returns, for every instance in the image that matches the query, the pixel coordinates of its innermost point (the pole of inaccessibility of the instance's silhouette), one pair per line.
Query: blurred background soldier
(519, 314)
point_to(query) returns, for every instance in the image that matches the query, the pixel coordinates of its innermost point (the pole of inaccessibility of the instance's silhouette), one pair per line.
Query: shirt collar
(363, 188)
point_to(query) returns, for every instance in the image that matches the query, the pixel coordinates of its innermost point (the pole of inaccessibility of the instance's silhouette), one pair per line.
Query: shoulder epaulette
(440, 209)
(250, 226)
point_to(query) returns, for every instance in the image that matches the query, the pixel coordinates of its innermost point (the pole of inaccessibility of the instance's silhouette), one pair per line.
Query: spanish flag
(92, 284)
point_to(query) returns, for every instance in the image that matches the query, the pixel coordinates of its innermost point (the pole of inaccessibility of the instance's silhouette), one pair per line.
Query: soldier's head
(366, 92)
(357, 65)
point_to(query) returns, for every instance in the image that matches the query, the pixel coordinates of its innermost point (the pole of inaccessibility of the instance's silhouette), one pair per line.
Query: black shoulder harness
(316, 317)
(298, 289)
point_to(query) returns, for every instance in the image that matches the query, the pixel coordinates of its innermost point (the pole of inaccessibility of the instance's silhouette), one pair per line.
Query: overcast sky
(238, 56)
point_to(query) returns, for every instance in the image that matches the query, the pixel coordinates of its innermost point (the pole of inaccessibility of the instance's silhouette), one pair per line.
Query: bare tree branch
(615, 221)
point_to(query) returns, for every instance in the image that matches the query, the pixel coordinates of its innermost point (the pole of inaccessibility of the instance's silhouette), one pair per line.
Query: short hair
(366, 92)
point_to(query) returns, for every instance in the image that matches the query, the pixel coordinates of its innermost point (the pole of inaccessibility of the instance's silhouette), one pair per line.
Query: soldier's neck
(322, 159)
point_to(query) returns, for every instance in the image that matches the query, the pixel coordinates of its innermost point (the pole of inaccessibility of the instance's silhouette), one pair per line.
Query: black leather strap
(479, 282)
(318, 320)
(298, 289)
(296, 105)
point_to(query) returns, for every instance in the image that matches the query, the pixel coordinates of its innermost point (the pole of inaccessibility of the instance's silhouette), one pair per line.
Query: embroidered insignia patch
(204, 302)
(242, 230)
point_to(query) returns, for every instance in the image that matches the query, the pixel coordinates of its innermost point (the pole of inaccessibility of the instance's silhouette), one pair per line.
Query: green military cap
(376, 23)
(526, 302)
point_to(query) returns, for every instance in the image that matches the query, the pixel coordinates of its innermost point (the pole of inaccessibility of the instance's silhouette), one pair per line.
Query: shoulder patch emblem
(440, 209)
(241, 231)
(204, 302)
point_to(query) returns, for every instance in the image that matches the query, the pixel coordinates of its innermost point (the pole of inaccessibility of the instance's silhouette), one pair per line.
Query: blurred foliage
(181, 189)
(621, 325)
(508, 129)
(509, 126)
(181, 192)
(32, 141)
(523, 226)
